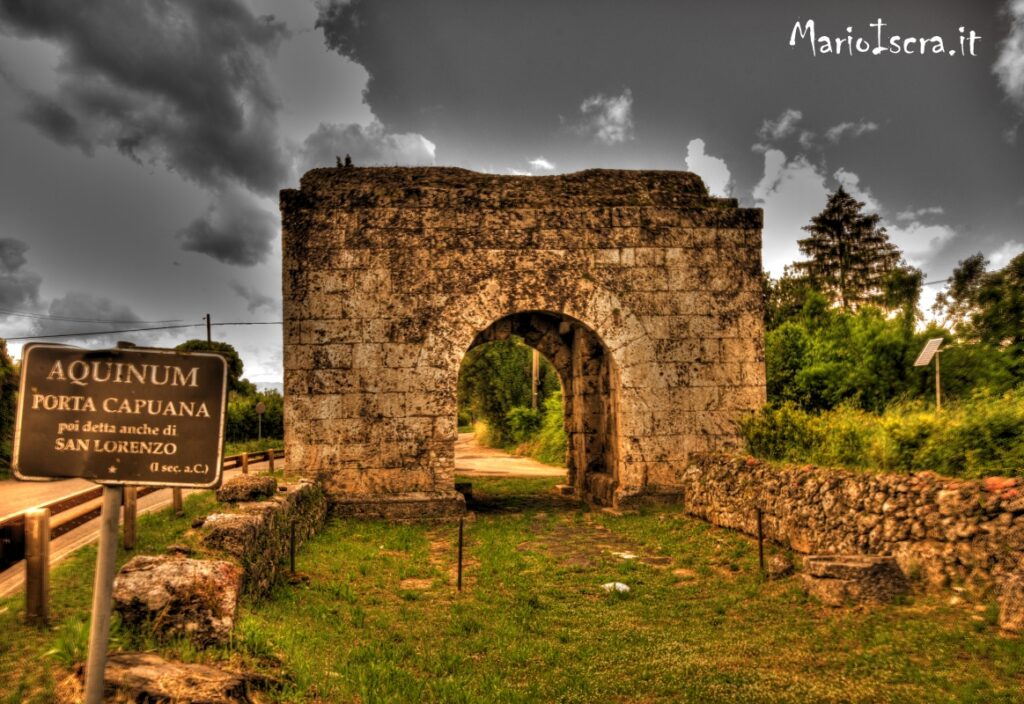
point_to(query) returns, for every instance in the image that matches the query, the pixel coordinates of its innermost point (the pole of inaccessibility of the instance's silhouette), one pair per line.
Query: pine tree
(850, 257)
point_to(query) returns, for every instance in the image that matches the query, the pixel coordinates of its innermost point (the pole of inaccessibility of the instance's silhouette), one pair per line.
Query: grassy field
(376, 618)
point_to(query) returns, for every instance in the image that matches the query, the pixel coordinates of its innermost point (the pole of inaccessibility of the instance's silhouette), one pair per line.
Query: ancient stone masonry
(642, 290)
(946, 530)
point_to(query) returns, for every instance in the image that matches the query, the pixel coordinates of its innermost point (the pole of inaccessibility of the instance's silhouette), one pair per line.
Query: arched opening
(589, 393)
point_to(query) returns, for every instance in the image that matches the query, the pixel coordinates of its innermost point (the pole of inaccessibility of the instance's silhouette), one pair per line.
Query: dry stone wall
(946, 530)
(641, 288)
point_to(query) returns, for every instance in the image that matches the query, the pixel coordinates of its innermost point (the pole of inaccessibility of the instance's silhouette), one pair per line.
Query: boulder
(234, 533)
(1011, 602)
(145, 677)
(778, 566)
(173, 595)
(247, 487)
(836, 580)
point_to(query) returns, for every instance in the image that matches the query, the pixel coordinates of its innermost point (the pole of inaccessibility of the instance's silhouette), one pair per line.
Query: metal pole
(760, 541)
(938, 385)
(209, 338)
(259, 426)
(535, 379)
(459, 579)
(291, 553)
(176, 504)
(131, 505)
(102, 595)
(270, 458)
(37, 565)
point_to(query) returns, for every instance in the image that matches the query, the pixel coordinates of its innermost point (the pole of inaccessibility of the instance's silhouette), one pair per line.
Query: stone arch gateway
(644, 291)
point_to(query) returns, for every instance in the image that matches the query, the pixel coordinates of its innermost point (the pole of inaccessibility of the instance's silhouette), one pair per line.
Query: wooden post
(938, 385)
(270, 458)
(37, 566)
(131, 508)
(176, 503)
(760, 542)
(102, 596)
(245, 463)
(459, 582)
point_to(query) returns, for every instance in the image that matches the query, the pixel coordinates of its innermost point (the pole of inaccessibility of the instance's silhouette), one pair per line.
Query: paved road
(475, 460)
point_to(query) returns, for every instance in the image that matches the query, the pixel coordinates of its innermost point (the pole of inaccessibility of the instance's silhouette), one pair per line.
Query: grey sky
(143, 141)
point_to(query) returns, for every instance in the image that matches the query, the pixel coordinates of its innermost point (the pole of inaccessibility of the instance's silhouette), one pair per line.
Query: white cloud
(541, 164)
(1009, 66)
(368, 145)
(920, 242)
(1002, 256)
(609, 118)
(712, 169)
(791, 192)
(853, 129)
(781, 128)
(920, 213)
(806, 139)
(851, 183)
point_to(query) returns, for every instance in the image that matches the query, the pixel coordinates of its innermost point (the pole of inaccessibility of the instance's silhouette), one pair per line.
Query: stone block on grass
(1011, 603)
(837, 580)
(247, 487)
(172, 595)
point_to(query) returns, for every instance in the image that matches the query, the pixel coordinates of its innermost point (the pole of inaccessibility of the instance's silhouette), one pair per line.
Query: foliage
(8, 405)
(494, 379)
(243, 423)
(979, 435)
(235, 365)
(850, 257)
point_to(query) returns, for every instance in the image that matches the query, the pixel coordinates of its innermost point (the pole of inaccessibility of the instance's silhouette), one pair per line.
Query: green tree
(959, 301)
(8, 403)
(236, 383)
(850, 257)
(494, 386)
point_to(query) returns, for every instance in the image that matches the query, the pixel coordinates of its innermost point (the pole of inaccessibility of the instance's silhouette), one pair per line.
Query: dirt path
(474, 460)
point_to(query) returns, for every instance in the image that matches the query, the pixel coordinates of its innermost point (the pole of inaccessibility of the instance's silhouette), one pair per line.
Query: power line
(118, 332)
(40, 316)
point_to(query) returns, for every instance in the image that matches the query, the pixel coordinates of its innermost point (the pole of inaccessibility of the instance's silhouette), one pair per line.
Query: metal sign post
(129, 416)
(929, 351)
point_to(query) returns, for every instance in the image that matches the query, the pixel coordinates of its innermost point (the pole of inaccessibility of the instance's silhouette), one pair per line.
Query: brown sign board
(136, 416)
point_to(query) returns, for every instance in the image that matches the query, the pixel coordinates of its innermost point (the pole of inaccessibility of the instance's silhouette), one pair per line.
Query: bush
(982, 435)
(522, 423)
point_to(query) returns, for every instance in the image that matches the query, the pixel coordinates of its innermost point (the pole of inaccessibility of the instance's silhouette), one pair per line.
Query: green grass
(533, 624)
(237, 448)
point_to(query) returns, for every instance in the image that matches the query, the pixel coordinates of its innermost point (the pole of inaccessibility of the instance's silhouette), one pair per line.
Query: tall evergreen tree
(850, 257)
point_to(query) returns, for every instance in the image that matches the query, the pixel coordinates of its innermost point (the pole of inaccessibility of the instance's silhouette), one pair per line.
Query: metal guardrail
(69, 512)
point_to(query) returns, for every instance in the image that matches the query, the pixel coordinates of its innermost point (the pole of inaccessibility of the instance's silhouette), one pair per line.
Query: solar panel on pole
(927, 352)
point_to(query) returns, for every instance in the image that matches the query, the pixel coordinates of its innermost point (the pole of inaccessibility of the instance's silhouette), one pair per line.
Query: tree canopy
(235, 365)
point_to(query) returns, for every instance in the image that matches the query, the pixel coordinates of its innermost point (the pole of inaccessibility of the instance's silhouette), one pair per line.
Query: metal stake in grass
(459, 578)
(291, 551)
(760, 542)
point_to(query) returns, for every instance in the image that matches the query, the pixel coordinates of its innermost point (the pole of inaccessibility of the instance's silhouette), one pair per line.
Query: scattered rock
(685, 573)
(1011, 603)
(615, 587)
(778, 566)
(234, 533)
(145, 677)
(179, 596)
(247, 487)
(198, 522)
(624, 555)
(183, 550)
(839, 579)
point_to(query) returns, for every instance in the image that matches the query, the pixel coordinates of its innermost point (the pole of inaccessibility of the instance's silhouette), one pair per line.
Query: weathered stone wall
(647, 297)
(948, 530)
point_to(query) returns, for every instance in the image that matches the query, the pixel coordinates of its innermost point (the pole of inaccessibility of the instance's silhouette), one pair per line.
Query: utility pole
(209, 338)
(535, 379)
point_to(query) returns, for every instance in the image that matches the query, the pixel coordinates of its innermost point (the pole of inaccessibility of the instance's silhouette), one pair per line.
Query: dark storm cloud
(18, 288)
(182, 83)
(254, 300)
(368, 145)
(235, 231)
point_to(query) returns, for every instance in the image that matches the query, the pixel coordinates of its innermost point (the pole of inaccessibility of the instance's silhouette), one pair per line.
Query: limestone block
(247, 487)
(172, 595)
(1011, 602)
(836, 580)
